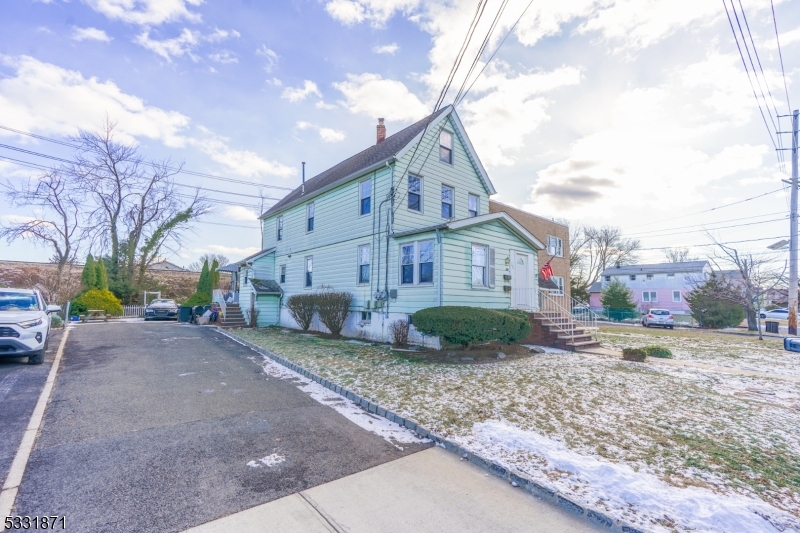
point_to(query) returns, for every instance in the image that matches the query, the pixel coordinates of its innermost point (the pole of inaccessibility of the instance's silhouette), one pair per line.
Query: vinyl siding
(268, 306)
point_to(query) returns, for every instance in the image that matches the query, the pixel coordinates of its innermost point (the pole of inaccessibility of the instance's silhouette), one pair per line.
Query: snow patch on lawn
(623, 490)
(389, 431)
(268, 461)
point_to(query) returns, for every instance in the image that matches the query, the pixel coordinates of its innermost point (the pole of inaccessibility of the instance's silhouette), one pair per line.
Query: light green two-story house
(403, 225)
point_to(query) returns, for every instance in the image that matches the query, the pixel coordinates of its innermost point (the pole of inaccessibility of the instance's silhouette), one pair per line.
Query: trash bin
(772, 326)
(184, 313)
(791, 344)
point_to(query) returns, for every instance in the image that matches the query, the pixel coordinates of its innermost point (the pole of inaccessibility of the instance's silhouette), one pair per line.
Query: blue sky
(625, 113)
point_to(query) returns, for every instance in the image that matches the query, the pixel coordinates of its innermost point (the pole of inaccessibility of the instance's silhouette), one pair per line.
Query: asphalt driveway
(151, 427)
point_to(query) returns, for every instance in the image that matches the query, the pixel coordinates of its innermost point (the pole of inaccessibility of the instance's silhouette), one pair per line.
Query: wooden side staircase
(233, 317)
(559, 330)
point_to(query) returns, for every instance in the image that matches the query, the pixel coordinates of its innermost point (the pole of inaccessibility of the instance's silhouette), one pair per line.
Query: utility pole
(793, 234)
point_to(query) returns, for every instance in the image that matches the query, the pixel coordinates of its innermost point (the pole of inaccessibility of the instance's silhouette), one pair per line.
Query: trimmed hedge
(470, 325)
(302, 307)
(634, 354)
(97, 299)
(658, 351)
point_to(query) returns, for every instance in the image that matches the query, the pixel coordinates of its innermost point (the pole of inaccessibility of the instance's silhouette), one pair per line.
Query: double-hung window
(447, 202)
(425, 268)
(555, 246)
(363, 263)
(415, 193)
(676, 296)
(608, 278)
(559, 281)
(650, 296)
(483, 271)
(310, 217)
(446, 147)
(280, 228)
(365, 197)
(632, 277)
(309, 271)
(407, 256)
(283, 274)
(649, 277)
(416, 263)
(473, 203)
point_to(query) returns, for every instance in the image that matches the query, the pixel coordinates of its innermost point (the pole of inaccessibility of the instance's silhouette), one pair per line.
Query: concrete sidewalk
(430, 490)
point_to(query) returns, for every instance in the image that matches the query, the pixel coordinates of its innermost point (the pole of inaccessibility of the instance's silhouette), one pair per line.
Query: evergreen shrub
(657, 351)
(634, 354)
(198, 298)
(470, 325)
(97, 299)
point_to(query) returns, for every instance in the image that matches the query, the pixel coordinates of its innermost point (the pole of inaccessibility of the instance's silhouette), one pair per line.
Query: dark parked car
(161, 310)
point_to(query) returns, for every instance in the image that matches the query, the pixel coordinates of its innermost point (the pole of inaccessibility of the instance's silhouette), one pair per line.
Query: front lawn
(730, 441)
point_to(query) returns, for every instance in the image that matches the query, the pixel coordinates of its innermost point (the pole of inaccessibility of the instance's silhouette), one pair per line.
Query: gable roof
(656, 268)
(166, 265)
(251, 258)
(393, 147)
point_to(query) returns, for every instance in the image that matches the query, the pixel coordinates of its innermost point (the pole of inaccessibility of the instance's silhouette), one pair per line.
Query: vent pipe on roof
(381, 131)
(303, 187)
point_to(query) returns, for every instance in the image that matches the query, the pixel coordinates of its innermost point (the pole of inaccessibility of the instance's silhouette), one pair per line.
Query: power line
(737, 219)
(714, 229)
(780, 55)
(181, 170)
(715, 243)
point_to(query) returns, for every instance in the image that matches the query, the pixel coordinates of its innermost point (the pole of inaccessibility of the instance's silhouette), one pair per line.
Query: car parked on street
(161, 309)
(658, 317)
(24, 324)
(780, 314)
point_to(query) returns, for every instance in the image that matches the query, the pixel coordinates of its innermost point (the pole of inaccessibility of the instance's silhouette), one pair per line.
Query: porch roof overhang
(249, 259)
(501, 217)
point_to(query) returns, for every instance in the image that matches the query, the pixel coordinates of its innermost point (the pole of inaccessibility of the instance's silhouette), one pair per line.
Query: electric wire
(716, 228)
(714, 243)
(780, 55)
(737, 219)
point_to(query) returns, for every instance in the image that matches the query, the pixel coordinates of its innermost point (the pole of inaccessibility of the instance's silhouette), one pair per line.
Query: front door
(521, 287)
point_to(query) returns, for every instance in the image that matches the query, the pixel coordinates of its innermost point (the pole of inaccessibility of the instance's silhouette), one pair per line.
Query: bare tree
(137, 208)
(678, 255)
(197, 266)
(57, 206)
(592, 250)
(752, 278)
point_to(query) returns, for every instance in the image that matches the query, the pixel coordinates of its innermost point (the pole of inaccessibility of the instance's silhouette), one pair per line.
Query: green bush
(333, 308)
(469, 325)
(302, 307)
(98, 299)
(77, 308)
(634, 354)
(55, 321)
(617, 295)
(657, 351)
(198, 298)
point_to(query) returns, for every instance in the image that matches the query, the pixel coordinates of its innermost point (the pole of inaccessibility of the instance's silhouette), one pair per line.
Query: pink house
(661, 285)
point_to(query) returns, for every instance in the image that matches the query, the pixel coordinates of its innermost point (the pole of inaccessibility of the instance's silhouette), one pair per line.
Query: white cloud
(274, 81)
(90, 34)
(377, 12)
(15, 219)
(327, 135)
(184, 44)
(225, 57)
(298, 94)
(146, 12)
(238, 212)
(270, 55)
(776, 179)
(322, 105)
(787, 38)
(371, 95)
(230, 251)
(386, 49)
(47, 99)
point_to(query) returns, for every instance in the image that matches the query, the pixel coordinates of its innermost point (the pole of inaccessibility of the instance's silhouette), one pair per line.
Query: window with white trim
(649, 277)
(280, 228)
(483, 270)
(555, 246)
(366, 317)
(676, 296)
(559, 281)
(309, 262)
(649, 296)
(446, 147)
(447, 202)
(415, 193)
(282, 277)
(608, 278)
(416, 263)
(310, 217)
(365, 197)
(632, 277)
(363, 264)
(473, 204)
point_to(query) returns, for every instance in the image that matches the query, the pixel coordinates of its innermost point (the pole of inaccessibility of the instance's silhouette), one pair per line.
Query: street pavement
(151, 425)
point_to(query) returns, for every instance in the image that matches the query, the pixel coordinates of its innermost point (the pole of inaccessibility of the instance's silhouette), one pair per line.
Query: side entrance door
(522, 290)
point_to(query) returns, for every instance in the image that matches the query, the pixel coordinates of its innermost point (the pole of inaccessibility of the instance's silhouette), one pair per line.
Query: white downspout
(441, 266)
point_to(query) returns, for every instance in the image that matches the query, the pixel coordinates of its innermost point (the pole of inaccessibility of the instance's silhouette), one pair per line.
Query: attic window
(446, 147)
(473, 205)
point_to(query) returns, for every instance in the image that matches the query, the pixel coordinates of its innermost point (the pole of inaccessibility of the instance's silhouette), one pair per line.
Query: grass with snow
(688, 427)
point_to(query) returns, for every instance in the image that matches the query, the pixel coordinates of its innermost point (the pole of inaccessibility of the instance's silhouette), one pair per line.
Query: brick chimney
(381, 131)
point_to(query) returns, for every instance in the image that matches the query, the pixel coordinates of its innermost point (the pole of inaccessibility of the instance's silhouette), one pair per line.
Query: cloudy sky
(634, 113)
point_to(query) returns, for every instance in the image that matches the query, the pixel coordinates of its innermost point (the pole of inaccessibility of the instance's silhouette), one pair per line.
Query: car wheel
(672, 327)
(37, 359)
(763, 315)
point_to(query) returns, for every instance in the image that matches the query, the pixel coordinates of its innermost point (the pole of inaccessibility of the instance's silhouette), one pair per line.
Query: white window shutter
(491, 268)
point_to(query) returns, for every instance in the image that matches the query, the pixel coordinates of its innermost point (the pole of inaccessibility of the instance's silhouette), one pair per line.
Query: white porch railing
(561, 309)
(218, 297)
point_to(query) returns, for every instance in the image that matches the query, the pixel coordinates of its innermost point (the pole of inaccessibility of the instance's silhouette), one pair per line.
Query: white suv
(24, 324)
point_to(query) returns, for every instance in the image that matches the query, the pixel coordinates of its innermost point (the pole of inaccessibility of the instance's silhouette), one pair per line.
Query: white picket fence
(133, 311)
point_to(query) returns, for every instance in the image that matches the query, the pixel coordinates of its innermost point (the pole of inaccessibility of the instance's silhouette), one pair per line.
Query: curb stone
(534, 488)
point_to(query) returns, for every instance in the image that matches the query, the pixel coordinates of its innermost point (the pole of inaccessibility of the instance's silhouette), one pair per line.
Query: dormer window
(446, 147)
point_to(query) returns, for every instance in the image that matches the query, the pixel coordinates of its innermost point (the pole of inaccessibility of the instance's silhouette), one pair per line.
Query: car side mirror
(53, 309)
